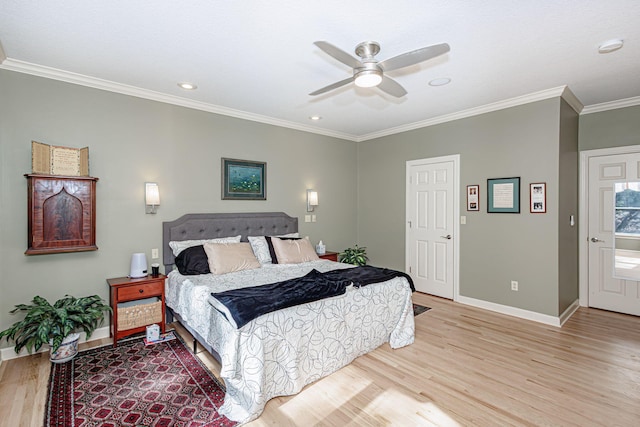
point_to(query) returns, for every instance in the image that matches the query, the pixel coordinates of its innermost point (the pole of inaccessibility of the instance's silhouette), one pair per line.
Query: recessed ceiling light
(441, 81)
(187, 86)
(315, 118)
(610, 46)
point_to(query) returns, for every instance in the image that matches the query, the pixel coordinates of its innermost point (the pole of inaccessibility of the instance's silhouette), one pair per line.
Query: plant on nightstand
(56, 324)
(356, 256)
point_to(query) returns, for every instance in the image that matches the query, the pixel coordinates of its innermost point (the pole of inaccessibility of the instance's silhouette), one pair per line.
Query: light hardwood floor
(468, 367)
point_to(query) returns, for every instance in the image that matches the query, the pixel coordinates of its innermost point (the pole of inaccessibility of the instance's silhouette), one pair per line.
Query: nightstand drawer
(140, 291)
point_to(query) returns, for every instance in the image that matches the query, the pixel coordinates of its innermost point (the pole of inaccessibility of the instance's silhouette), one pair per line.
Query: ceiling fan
(368, 72)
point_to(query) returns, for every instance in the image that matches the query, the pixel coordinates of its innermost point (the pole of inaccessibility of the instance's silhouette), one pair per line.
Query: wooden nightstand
(136, 303)
(331, 256)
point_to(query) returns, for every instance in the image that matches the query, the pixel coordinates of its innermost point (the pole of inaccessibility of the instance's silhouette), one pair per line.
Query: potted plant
(56, 325)
(356, 256)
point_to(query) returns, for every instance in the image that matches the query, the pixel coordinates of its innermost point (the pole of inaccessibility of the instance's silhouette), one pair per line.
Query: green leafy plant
(45, 323)
(356, 256)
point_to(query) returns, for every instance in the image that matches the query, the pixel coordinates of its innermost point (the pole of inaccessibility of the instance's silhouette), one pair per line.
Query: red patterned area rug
(134, 385)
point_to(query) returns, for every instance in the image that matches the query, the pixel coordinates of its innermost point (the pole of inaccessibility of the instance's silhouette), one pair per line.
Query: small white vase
(67, 350)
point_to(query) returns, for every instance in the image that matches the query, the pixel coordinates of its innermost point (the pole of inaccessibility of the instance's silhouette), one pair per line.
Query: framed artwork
(503, 195)
(244, 180)
(538, 197)
(473, 197)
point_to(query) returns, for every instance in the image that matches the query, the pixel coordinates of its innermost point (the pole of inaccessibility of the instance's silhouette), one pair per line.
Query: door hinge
(409, 224)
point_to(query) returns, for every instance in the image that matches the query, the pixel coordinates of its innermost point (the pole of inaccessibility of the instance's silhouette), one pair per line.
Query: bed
(280, 352)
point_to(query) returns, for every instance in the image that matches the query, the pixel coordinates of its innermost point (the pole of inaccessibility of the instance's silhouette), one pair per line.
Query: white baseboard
(518, 312)
(9, 353)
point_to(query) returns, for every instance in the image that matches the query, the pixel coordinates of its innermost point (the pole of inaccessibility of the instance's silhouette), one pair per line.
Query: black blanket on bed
(240, 306)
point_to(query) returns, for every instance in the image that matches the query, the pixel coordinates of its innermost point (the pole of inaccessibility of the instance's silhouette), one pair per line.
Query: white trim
(3, 56)
(612, 105)
(455, 158)
(583, 214)
(560, 91)
(520, 313)
(100, 333)
(96, 83)
(80, 79)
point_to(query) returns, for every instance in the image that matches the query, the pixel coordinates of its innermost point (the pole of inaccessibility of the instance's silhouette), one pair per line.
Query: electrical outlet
(514, 285)
(154, 253)
(313, 218)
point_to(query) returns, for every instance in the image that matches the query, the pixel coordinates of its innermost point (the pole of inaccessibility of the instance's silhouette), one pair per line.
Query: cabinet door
(61, 214)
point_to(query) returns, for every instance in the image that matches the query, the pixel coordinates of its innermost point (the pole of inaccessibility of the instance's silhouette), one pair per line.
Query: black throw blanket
(240, 306)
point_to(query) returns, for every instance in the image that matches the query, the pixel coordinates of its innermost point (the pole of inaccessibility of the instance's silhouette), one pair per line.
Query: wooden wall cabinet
(62, 214)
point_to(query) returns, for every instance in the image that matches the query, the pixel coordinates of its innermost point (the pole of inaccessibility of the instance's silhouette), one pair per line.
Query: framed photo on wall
(473, 197)
(244, 180)
(503, 195)
(538, 197)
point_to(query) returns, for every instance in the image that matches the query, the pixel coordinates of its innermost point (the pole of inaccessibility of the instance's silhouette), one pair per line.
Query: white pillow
(293, 251)
(230, 257)
(180, 245)
(261, 247)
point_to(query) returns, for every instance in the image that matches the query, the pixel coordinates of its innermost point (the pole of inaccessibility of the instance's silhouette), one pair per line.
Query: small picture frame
(503, 195)
(244, 180)
(538, 197)
(473, 197)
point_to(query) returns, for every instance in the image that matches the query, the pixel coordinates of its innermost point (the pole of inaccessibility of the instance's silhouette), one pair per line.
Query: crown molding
(92, 82)
(79, 79)
(496, 106)
(612, 105)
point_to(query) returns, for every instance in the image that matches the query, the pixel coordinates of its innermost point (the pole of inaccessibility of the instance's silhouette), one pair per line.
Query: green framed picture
(503, 195)
(244, 180)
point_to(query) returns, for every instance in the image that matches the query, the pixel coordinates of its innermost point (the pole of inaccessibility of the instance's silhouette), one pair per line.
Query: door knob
(448, 237)
(596, 240)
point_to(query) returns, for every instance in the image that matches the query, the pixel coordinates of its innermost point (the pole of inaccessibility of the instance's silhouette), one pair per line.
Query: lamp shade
(312, 200)
(152, 194)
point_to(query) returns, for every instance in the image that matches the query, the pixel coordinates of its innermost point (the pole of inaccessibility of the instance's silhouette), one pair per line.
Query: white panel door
(431, 215)
(605, 291)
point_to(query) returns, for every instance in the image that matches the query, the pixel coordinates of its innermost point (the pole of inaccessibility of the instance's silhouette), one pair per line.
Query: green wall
(613, 128)
(521, 141)
(133, 140)
(361, 186)
(567, 201)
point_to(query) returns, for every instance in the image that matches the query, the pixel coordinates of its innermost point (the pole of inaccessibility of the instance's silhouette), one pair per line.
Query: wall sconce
(151, 197)
(312, 200)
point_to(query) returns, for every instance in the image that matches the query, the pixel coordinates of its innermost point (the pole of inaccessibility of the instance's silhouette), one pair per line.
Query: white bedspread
(280, 352)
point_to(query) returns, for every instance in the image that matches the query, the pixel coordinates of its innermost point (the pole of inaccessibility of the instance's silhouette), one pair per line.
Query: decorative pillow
(293, 251)
(230, 257)
(180, 245)
(192, 261)
(262, 248)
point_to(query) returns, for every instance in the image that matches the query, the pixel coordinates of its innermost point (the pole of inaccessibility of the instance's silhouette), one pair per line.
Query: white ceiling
(256, 59)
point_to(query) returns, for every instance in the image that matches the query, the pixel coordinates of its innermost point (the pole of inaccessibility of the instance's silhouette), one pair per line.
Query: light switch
(154, 253)
(313, 218)
(463, 219)
(307, 218)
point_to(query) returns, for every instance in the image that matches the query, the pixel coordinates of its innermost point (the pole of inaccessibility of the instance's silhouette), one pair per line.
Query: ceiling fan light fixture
(368, 78)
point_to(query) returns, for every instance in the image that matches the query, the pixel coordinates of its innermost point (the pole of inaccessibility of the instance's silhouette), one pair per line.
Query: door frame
(583, 214)
(455, 158)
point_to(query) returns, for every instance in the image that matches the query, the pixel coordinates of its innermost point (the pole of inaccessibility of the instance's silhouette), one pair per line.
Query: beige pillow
(293, 251)
(230, 257)
(180, 245)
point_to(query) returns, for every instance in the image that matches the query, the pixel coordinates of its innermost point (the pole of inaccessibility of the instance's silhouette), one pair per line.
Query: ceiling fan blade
(332, 86)
(338, 54)
(392, 87)
(414, 57)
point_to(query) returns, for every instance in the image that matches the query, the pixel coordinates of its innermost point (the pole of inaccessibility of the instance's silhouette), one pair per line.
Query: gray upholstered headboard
(214, 225)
